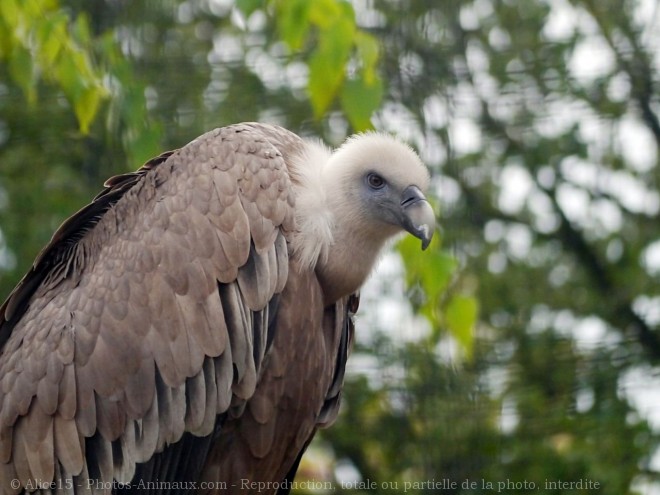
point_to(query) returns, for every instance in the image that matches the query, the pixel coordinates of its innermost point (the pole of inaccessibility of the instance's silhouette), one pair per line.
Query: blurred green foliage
(325, 30)
(37, 39)
(539, 346)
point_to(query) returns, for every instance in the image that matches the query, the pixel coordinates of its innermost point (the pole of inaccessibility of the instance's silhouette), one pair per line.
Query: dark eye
(375, 181)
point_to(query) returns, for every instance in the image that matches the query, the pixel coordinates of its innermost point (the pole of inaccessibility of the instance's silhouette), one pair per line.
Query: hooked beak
(418, 216)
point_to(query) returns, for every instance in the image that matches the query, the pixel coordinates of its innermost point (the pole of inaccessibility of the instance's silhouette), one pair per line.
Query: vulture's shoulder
(148, 314)
(218, 160)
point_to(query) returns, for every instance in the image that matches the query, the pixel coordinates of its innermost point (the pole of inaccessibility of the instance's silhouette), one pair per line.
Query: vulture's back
(165, 334)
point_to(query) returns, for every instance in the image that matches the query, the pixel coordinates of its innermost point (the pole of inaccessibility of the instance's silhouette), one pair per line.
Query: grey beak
(418, 216)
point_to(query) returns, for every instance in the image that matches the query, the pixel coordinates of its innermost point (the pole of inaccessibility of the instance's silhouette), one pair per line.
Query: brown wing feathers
(57, 259)
(291, 397)
(148, 313)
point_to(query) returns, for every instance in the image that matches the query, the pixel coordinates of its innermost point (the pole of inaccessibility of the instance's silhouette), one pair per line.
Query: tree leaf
(293, 22)
(326, 65)
(39, 41)
(359, 99)
(368, 51)
(21, 70)
(50, 35)
(86, 106)
(81, 30)
(10, 13)
(433, 269)
(324, 13)
(461, 317)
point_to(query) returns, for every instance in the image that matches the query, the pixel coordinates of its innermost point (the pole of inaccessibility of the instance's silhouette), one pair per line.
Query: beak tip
(426, 235)
(418, 216)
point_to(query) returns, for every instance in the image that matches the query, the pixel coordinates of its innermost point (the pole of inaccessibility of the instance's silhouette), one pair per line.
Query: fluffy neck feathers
(333, 235)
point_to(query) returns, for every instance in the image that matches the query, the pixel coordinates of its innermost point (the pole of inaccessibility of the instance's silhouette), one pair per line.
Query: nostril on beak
(410, 196)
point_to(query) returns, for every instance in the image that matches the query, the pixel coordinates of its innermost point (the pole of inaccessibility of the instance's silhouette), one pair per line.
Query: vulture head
(367, 191)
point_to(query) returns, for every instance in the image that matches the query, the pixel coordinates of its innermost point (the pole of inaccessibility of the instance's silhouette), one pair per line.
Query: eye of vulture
(189, 328)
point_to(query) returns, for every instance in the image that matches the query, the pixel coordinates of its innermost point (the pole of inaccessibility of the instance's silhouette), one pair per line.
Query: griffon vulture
(189, 328)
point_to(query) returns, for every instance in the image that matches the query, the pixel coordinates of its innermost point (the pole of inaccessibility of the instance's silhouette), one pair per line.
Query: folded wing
(146, 320)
